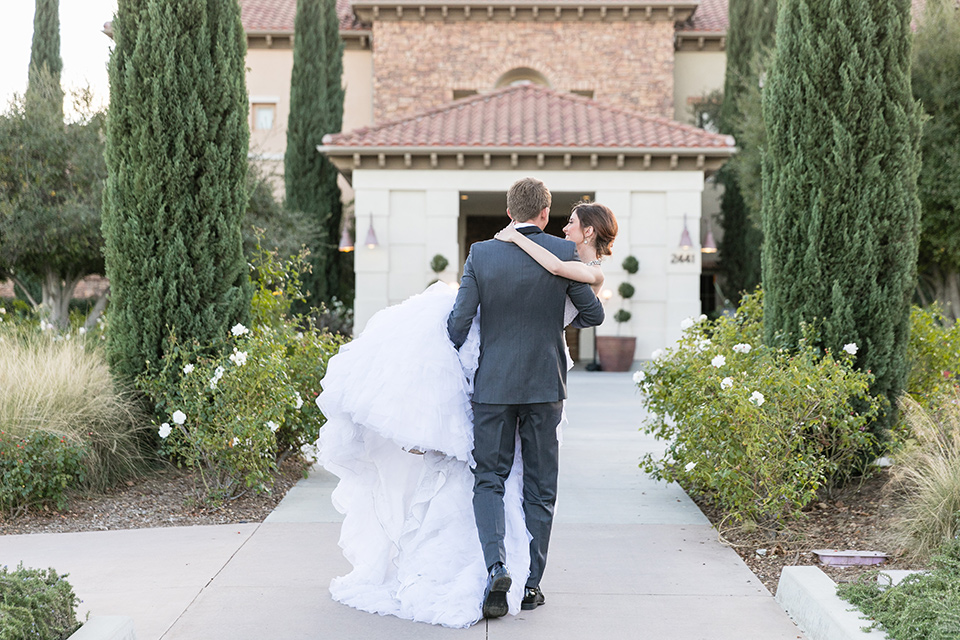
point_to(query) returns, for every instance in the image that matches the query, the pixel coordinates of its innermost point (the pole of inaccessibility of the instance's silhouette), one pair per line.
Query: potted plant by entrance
(437, 265)
(616, 352)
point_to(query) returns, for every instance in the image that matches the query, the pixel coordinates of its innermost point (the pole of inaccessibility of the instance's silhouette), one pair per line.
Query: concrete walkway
(630, 558)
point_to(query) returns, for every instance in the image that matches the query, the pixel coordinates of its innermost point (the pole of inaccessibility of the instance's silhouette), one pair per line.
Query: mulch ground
(857, 517)
(161, 498)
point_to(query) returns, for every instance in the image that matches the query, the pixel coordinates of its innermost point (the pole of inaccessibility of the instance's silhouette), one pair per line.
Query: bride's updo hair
(601, 218)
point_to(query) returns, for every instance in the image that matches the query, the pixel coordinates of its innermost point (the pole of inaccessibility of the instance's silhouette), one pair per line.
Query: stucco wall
(268, 80)
(695, 74)
(417, 65)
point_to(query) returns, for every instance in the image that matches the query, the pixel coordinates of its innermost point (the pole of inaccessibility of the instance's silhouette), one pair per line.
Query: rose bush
(235, 409)
(755, 429)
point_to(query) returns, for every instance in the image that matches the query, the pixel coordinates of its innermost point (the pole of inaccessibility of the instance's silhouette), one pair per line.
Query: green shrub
(756, 430)
(234, 409)
(927, 473)
(934, 356)
(36, 603)
(920, 607)
(37, 469)
(57, 387)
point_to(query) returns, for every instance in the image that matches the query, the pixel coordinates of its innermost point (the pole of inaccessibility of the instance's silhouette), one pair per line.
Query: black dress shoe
(495, 595)
(532, 598)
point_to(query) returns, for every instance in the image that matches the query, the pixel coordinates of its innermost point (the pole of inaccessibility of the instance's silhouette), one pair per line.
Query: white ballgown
(409, 528)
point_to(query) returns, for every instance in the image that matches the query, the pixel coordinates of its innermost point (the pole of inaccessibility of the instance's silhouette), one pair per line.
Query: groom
(520, 381)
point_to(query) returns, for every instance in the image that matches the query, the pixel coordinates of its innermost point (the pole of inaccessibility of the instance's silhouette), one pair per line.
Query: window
(522, 75)
(586, 93)
(706, 110)
(263, 116)
(463, 93)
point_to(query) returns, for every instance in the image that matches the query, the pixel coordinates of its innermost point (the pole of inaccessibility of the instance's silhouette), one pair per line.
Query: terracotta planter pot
(616, 353)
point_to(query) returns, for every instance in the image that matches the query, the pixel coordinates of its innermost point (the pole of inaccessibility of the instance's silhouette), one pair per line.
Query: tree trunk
(945, 287)
(23, 288)
(97, 311)
(57, 292)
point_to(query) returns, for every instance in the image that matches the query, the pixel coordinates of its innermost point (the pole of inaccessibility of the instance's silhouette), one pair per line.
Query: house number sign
(681, 257)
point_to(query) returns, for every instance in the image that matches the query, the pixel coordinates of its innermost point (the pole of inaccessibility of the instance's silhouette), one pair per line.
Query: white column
(443, 213)
(682, 278)
(370, 265)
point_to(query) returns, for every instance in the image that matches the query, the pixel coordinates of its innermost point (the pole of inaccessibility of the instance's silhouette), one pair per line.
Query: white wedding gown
(409, 528)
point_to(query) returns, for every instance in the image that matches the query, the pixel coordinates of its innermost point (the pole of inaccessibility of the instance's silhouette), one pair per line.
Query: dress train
(409, 530)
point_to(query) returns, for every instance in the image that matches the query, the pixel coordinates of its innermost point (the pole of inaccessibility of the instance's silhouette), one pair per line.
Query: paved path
(630, 558)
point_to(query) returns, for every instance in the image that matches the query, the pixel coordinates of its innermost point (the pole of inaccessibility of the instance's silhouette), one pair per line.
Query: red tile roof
(534, 117)
(710, 16)
(276, 16)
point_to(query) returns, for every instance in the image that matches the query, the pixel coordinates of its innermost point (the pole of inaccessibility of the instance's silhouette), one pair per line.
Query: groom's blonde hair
(527, 198)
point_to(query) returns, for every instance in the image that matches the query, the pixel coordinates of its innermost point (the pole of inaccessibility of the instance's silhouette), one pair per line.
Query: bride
(399, 437)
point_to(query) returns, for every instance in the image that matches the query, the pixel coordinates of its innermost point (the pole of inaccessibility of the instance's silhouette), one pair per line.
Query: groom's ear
(509, 215)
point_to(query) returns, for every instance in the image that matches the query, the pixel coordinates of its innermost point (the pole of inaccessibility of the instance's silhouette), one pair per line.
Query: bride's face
(573, 231)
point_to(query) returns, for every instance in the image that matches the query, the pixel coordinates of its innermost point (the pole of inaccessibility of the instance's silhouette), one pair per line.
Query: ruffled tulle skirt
(409, 530)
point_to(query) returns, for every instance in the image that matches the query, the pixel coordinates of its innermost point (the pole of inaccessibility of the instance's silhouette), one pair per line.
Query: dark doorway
(482, 214)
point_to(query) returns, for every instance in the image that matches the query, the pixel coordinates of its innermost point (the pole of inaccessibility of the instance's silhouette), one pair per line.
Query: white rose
(686, 323)
(743, 347)
(179, 417)
(719, 361)
(656, 355)
(188, 368)
(273, 426)
(299, 399)
(239, 330)
(639, 377)
(726, 383)
(851, 348)
(165, 429)
(689, 466)
(238, 358)
(757, 398)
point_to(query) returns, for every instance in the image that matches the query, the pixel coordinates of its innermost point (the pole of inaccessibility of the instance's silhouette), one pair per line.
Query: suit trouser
(494, 442)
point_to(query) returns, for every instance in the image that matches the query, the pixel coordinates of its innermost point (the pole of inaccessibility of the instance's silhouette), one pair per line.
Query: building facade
(434, 134)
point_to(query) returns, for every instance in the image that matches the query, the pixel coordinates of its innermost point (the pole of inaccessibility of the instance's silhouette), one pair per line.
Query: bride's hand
(507, 234)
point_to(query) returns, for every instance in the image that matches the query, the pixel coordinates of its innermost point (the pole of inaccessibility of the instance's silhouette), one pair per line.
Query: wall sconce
(606, 294)
(346, 243)
(709, 243)
(371, 241)
(685, 242)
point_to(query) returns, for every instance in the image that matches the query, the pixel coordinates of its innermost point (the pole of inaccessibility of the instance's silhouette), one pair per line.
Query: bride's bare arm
(572, 270)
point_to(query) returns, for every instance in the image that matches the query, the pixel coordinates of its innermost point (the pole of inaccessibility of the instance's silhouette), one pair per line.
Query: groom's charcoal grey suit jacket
(522, 357)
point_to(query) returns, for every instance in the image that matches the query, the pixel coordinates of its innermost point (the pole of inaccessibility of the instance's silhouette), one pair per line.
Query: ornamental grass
(928, 474)
(59, 389)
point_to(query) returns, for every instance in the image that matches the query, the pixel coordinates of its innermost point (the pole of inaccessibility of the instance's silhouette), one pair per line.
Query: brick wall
(417, 65)
(90, 287)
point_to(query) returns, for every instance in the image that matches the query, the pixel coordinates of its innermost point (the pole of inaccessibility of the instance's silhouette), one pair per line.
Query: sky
(84, 47)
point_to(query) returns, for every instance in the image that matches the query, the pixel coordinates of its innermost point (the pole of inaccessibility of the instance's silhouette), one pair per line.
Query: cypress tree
(749, 36)
(45, 52)
(936, 83)
(316, 109)
(841, 216)
(177, 139)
